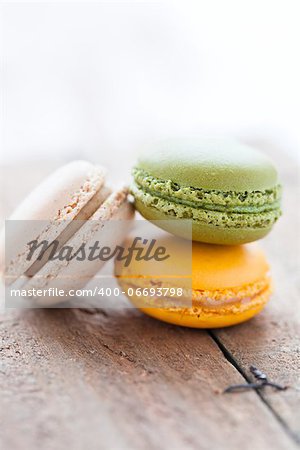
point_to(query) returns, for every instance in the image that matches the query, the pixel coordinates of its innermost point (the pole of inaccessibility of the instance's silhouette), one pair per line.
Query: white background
(95, 80)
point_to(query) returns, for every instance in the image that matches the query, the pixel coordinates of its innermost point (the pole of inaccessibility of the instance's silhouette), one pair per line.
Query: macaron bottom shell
(186, 318)
(198, 317)
(198, 231)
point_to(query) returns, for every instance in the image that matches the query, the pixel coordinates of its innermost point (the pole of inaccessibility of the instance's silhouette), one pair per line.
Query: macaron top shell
(63, 193)
(220, 267)
(209, 164)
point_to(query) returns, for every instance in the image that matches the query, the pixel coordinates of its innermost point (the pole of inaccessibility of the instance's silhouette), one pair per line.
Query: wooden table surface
(116, 379)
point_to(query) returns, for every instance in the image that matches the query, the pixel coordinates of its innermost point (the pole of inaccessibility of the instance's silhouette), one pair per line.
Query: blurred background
(96, 80)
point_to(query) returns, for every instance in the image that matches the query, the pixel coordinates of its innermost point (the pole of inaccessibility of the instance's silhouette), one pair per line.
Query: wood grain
(271, 341)
(108, 379)
(122, 380)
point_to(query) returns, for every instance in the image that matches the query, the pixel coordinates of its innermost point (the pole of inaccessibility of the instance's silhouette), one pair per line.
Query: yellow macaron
(222, 286)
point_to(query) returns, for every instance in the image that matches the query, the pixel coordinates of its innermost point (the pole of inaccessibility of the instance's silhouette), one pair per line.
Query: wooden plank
(271, 341)
(121, 380)
(118, 380)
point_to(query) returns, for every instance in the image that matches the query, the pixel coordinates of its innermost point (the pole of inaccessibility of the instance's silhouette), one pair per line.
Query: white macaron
(72, 207)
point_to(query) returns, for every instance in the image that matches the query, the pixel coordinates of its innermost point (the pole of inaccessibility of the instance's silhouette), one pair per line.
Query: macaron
(72, 207)
(228, 191)
(227, 285)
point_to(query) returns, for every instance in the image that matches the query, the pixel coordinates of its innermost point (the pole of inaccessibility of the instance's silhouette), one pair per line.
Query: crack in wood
(231, 359)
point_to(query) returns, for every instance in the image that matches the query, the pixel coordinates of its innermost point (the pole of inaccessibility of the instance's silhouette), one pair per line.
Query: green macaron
(228, 190)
